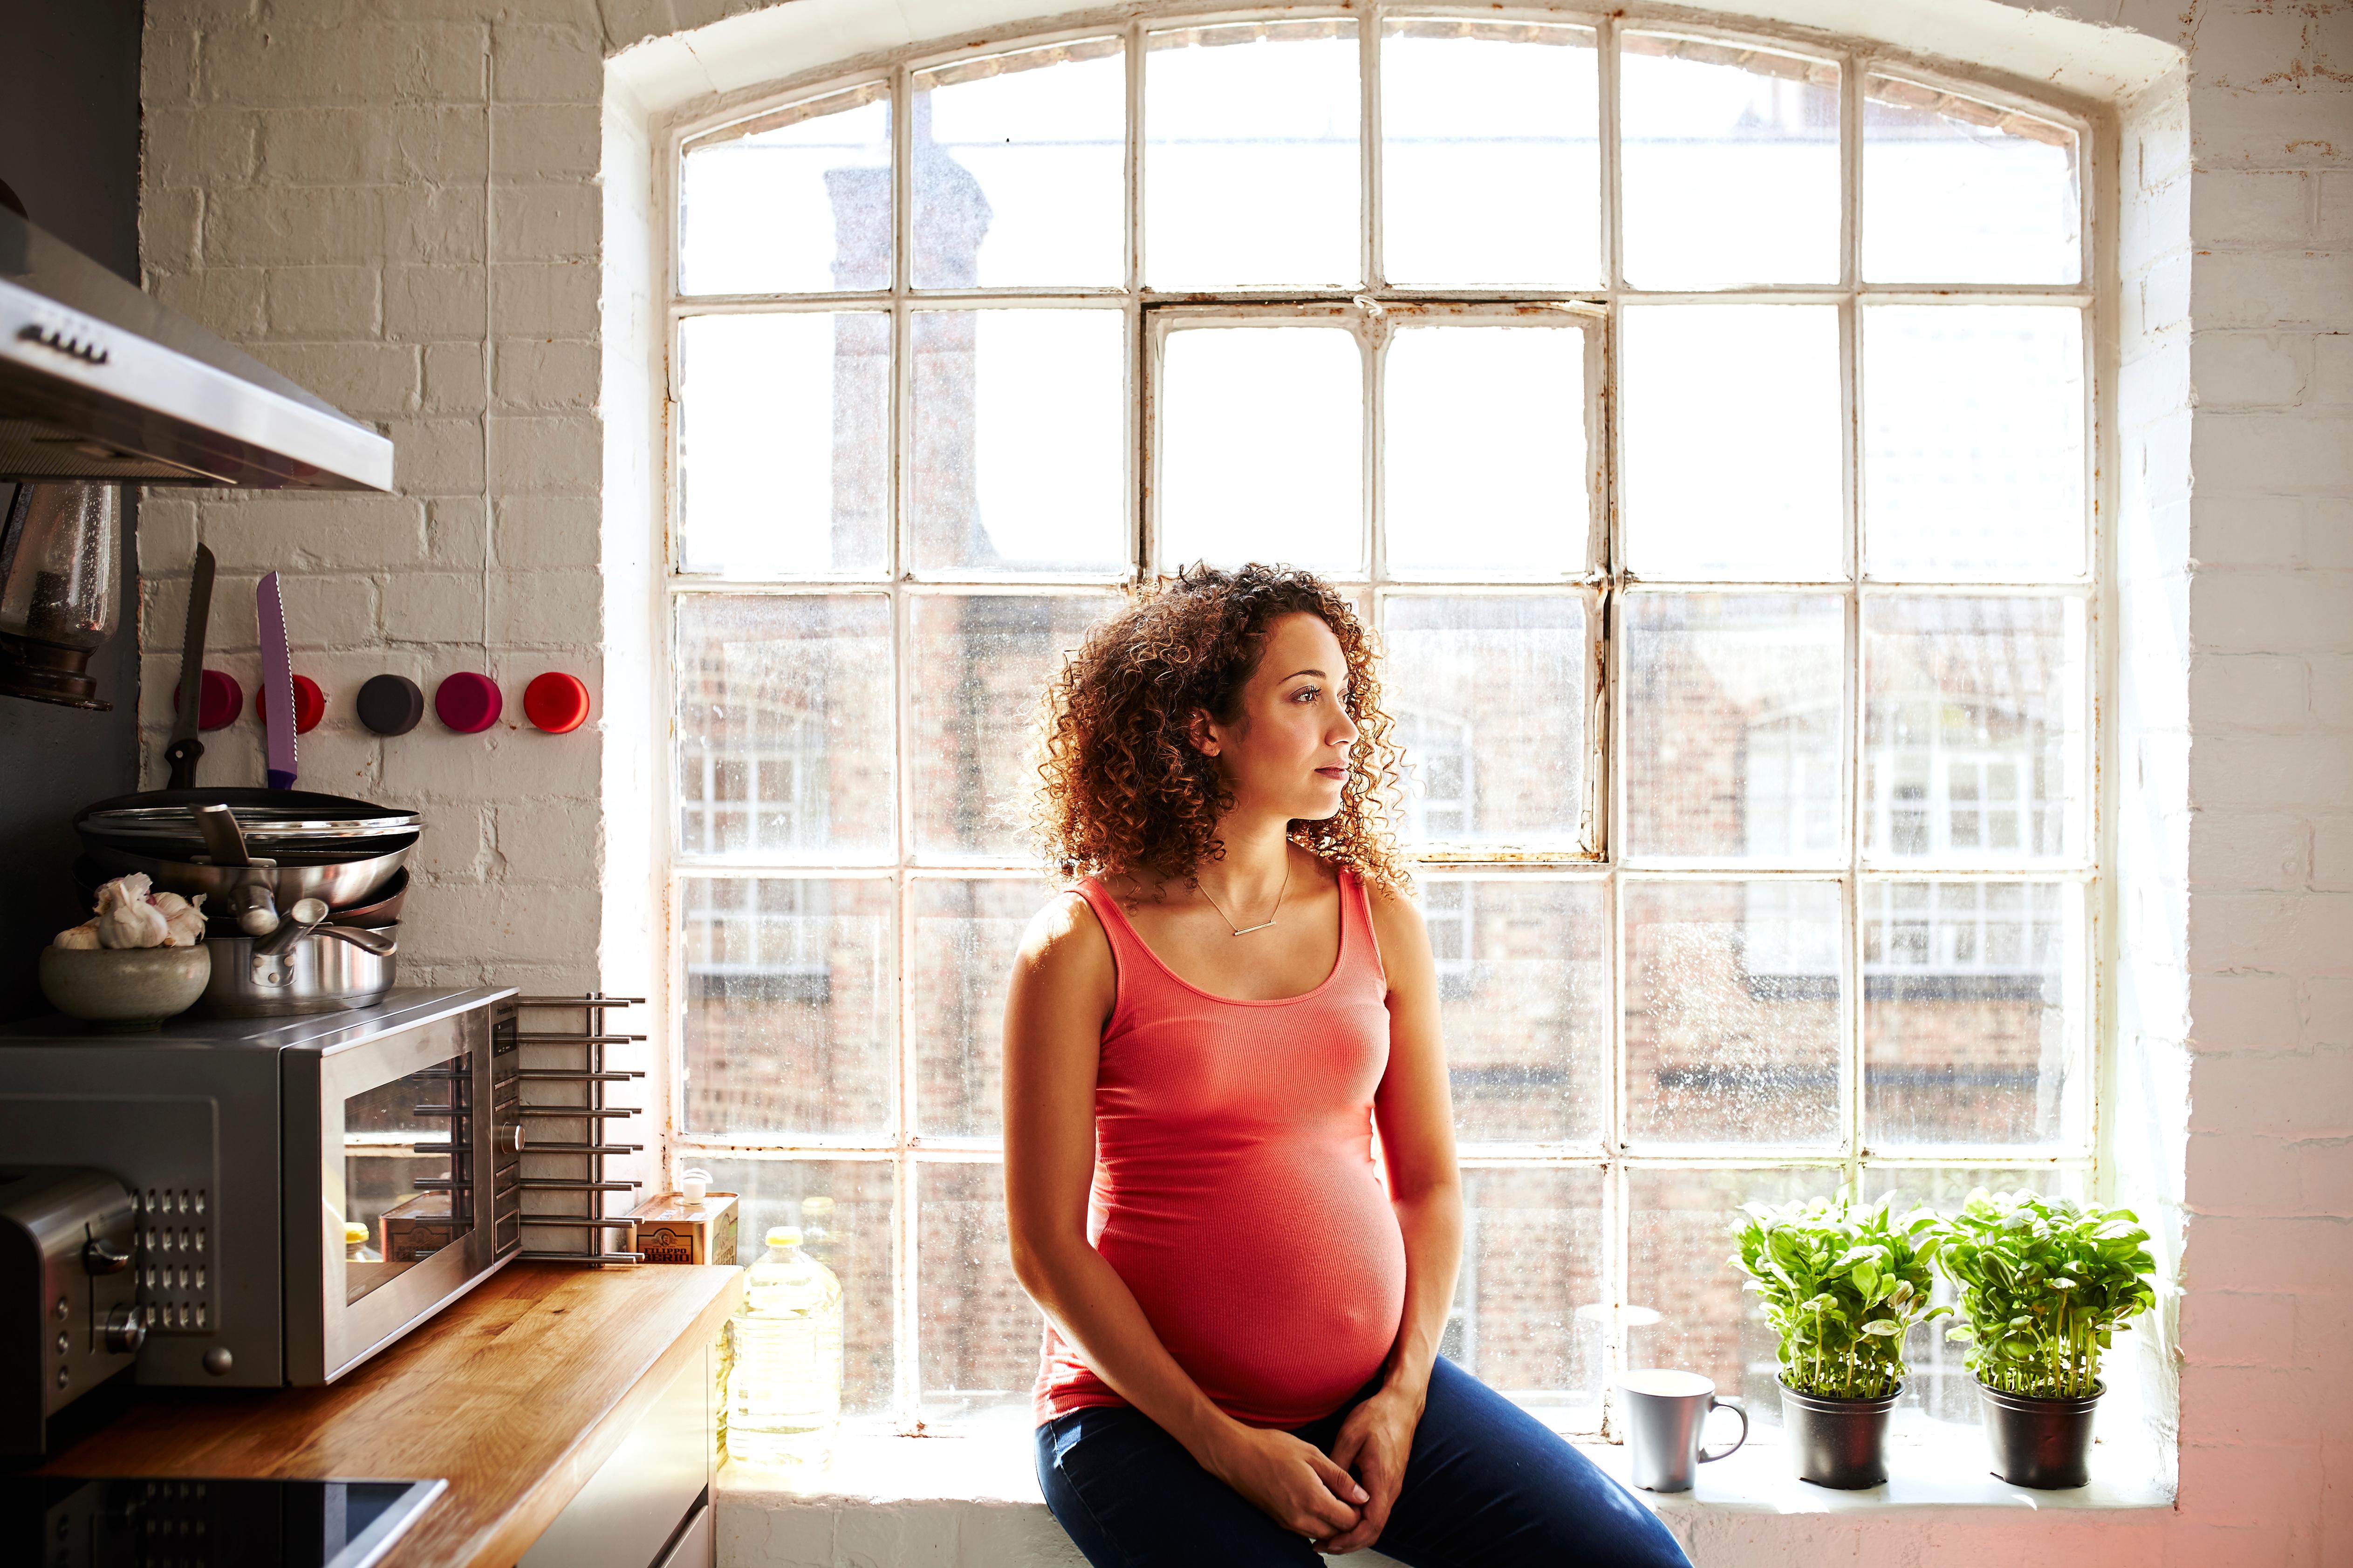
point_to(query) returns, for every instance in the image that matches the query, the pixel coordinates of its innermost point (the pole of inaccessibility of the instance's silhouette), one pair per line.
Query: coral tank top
(1235, 1188)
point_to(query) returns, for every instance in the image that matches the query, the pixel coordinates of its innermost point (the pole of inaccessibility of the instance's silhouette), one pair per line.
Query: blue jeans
(1487, 1484)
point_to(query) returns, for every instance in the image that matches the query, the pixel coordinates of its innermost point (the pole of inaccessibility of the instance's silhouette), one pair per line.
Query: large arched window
(1705, 421)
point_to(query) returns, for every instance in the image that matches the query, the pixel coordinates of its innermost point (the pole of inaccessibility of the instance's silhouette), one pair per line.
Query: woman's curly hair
(1121, 788)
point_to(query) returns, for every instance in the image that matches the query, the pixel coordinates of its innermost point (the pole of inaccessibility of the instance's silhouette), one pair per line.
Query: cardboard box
(671, 1230)
(416, 1228)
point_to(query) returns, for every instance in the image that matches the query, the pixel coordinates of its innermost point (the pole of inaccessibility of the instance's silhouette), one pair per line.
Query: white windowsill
(957, 1489)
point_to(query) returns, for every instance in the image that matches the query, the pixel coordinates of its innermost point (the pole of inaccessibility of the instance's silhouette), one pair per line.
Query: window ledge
(970, 1497)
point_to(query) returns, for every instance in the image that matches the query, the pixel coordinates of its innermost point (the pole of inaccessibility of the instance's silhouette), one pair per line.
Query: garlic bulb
(84, 935)
(184, 918)
(125, 918)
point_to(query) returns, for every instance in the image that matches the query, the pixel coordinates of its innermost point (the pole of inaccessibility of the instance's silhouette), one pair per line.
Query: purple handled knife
(277, 682)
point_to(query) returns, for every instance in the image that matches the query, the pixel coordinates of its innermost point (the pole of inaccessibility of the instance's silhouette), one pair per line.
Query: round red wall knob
(309, 704)
(556, 702)
(467, 702)
(223, 701)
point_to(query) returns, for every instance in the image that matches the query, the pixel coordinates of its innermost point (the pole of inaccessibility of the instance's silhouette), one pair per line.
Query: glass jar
(57, 568)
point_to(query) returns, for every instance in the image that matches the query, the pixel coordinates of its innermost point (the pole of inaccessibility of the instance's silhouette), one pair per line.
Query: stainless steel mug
(1664, 1411)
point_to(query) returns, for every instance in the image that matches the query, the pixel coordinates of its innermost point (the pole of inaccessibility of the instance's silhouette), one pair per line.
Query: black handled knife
(185, 750)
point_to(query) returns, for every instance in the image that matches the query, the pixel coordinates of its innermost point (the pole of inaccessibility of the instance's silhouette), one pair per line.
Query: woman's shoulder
(1065, 945)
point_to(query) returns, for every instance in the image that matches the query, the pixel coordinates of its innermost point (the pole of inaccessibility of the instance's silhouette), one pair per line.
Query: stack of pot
(303, 891)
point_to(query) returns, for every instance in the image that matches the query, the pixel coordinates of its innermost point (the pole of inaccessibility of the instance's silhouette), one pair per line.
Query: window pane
(1019, 169)
(1261, 447)
(797, 201)
(790, 996)
(1485, 452)
(1735, 721)
(1250, 156)
(1940, 1386)
(1974, 745)
(1738, 471)
(1731, 159)
(785, 732)
(1973, 1013)
(844, 1208)
(966, 932)
(1491, 162)
(1973, 441)
(1684, 1306)
(1955, 191)
(1021, 441)
(1491, 694)
(784, 443)
(1524, 995)
(977, 666)
(1732, 1012)
(1528, 1313)
(980, 1333)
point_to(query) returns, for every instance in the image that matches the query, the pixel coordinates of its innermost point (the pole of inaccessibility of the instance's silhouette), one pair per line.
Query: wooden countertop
(515, 1394)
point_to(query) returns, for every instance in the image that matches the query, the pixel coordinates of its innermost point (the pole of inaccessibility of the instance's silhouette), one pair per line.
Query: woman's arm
(1063, 983)
(1415, 1112)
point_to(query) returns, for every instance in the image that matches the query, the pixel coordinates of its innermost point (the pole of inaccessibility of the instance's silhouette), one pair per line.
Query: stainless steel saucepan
(302, 967)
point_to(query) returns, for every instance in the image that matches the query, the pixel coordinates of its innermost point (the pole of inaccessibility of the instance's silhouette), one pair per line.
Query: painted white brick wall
(397, 204)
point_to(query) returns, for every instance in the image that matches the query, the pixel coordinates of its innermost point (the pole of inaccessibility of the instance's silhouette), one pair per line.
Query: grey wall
(70, 147)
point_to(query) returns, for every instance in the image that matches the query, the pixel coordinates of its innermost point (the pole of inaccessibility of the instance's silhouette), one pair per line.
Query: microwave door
(386, 1189)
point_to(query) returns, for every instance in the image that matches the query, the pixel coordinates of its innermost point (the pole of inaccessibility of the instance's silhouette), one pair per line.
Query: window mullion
(1368, 141)
(1855, 1013)
(1613, 249)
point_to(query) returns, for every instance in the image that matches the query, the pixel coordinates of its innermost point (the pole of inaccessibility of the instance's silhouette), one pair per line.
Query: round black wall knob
(390, 704)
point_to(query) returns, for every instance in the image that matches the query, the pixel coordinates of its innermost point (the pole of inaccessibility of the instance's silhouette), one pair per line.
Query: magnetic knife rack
(562, 1119)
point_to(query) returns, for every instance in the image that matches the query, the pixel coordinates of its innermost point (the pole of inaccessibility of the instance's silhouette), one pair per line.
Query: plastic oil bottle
(784, 1390)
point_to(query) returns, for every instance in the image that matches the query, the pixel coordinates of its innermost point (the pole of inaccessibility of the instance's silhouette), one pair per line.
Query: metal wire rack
(562, 1126)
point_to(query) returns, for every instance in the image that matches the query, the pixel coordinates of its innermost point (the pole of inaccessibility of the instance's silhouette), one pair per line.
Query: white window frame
(909, 1148)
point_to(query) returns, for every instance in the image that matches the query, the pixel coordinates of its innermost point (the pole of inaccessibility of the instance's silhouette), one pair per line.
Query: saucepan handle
(1738, 1409)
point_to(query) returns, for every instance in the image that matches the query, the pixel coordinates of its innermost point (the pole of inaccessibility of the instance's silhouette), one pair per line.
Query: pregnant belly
(1281, 1303)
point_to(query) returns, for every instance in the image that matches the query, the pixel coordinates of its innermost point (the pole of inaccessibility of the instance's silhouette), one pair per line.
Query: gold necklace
(1245, 931)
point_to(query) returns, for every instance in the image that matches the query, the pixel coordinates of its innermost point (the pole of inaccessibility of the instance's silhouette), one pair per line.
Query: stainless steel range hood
(100, 382)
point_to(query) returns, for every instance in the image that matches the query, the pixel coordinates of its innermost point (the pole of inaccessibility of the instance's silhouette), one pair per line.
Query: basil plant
(2043, 1283)
(1841, 1283)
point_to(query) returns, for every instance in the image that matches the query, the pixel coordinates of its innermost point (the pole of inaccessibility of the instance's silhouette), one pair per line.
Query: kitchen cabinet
(638, 1508)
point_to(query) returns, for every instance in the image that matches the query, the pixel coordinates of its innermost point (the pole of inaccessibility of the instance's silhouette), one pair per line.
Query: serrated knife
(277, 682)
(185, 751)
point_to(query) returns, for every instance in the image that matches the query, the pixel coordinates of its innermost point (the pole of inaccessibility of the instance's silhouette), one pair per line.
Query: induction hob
(68, 1522)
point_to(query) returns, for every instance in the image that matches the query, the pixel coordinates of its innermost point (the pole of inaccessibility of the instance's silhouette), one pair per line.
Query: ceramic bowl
(124, 989)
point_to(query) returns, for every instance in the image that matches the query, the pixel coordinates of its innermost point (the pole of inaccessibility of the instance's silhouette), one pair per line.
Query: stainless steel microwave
(308, 1189)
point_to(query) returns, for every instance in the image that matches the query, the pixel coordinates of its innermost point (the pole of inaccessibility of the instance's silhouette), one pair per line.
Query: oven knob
(217, 1361)
(103, 1257)
(124, 1332)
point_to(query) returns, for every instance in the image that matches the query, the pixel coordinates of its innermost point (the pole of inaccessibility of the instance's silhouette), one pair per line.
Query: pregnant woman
(1243, 1300)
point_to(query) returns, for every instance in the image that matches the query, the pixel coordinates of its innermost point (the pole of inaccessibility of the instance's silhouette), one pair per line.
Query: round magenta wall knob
(223, 701)
(309, 704)
(556, 702)
(468, 703)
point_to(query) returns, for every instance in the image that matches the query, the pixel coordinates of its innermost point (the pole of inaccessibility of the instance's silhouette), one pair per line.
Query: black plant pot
(1838, 1443)
(2042, 1443)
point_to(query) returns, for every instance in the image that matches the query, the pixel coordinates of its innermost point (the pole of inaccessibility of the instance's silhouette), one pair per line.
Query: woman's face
(1287, 753)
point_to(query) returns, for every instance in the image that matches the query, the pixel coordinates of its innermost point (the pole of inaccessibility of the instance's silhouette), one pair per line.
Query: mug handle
(1714, 1404)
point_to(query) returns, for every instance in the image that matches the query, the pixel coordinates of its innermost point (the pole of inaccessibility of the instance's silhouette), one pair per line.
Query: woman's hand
(1374, 1442)
(1293, 1482)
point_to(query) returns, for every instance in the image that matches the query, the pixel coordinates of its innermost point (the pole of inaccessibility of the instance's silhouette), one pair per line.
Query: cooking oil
(784, 1389)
